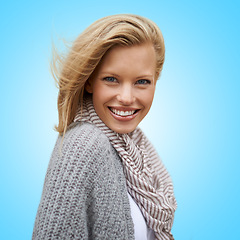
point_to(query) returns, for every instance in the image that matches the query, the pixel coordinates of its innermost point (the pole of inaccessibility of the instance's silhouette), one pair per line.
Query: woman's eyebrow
(145, 75)
(114, 74)
(110, 73)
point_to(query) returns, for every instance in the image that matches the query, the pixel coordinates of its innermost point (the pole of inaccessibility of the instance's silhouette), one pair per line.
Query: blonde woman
(105, 179)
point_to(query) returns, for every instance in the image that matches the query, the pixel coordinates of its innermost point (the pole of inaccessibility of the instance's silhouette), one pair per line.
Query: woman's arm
(83, 195)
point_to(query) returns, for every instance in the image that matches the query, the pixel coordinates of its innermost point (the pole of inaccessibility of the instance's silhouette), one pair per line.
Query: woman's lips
(123, 114)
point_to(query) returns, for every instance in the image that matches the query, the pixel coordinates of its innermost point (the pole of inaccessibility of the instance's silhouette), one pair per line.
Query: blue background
(193, 123)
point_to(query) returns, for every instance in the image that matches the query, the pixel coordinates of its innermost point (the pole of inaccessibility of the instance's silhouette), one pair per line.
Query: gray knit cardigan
(84, 194)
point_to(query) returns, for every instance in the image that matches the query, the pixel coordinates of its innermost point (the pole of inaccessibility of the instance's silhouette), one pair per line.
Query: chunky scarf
(148, 182)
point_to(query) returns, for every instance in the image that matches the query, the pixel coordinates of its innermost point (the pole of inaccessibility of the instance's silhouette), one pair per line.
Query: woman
(104, 179)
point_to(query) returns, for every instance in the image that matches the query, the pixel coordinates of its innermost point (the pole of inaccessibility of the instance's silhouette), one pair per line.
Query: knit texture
(147, 179)
(84, 194)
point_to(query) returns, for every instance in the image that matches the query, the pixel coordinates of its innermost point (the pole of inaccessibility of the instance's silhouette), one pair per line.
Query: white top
(141, 230)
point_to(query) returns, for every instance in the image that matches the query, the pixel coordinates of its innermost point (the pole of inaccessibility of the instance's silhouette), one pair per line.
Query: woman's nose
(125, 95)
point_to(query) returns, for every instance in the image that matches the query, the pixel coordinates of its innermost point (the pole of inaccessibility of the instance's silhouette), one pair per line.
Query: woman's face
(123, 86)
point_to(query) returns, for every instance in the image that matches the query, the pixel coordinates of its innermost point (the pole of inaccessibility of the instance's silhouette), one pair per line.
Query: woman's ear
(88, 86)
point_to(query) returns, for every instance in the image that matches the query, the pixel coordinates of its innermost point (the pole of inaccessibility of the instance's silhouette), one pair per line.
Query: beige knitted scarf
(148, 182)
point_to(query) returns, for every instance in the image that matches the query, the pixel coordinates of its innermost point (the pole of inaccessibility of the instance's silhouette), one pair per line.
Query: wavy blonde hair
(72, 72)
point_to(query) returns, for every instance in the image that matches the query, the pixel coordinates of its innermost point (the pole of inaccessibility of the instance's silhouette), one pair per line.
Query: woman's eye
(143, 82)
(110, 79)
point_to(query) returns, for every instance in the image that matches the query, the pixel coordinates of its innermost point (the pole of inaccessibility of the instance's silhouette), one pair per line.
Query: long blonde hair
(72, 72)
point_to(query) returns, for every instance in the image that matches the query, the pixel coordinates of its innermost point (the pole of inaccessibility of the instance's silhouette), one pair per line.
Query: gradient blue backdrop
(193, 123)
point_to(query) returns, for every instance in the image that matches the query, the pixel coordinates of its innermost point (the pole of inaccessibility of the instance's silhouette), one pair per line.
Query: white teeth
(122, 113)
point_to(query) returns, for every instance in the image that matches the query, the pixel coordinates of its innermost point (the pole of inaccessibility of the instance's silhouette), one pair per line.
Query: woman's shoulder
(80, 131)
(83, 145)
(85, 184)
(82, 136)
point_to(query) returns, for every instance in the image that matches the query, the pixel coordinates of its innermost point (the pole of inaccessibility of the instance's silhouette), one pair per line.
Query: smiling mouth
(123, 113)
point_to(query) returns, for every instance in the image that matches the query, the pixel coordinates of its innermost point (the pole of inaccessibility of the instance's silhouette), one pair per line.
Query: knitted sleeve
(84, 194)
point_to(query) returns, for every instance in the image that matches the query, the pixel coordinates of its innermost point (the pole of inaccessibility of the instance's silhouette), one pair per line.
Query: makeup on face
(123, 86)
